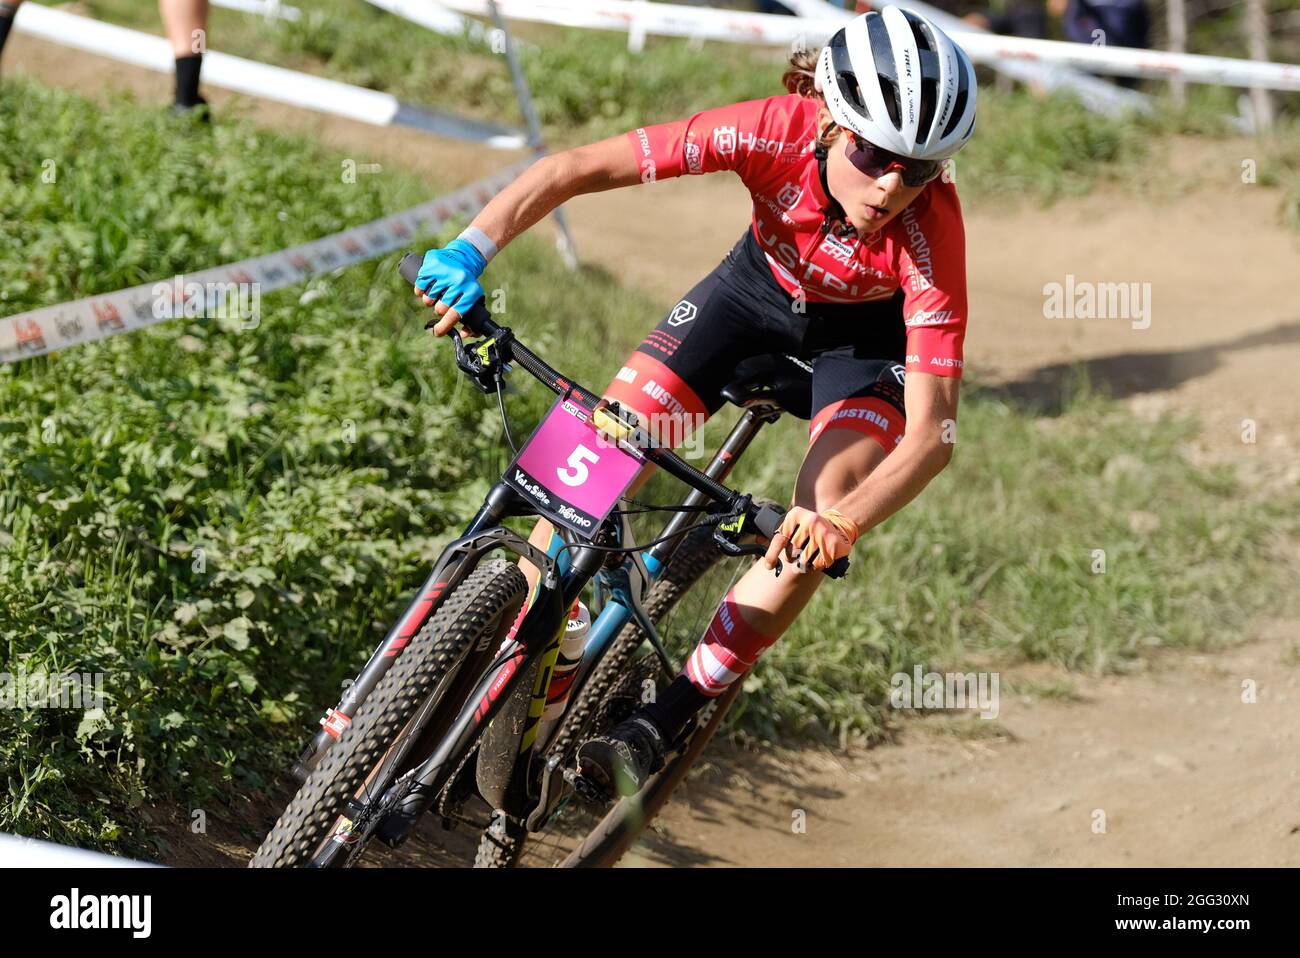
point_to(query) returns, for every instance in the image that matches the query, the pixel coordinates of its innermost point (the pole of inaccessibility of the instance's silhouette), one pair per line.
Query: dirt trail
(1185, 772)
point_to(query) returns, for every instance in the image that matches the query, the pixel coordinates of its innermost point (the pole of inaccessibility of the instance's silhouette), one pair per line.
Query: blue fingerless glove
(451, 274)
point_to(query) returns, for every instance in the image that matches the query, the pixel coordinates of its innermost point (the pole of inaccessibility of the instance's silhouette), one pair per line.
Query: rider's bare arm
(923, 452)
(554, 179)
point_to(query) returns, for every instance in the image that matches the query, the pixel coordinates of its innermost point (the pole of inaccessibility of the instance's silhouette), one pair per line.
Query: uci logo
(683, 312)
(724, 139)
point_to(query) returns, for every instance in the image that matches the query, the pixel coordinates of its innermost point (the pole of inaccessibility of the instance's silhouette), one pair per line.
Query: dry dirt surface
(1172, 765)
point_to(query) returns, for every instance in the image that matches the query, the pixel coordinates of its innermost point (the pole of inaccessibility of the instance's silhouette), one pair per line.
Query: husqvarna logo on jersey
(921, 268)
(683, 312)
(789, 195)
(724, 139)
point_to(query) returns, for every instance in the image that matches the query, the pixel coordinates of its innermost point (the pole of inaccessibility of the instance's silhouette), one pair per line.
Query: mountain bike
(447, 714)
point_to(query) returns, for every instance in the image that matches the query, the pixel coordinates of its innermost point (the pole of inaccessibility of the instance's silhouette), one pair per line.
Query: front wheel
(363, 761)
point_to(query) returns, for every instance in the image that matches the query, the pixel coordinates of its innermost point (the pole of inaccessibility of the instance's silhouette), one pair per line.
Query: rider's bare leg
(761, 605)
(833, 466)
(752, 616)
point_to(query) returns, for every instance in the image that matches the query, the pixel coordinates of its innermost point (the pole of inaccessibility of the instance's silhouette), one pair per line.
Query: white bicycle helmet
(899, 82)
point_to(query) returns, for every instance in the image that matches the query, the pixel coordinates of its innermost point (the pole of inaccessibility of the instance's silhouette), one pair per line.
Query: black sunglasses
(874, 162)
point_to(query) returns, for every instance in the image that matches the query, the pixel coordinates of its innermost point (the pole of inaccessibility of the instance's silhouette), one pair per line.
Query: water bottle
(566, 664)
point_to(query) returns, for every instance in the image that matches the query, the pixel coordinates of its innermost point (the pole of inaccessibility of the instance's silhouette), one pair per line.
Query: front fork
(539, 635)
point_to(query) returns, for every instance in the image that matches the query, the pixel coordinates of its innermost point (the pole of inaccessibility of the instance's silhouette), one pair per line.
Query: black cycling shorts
(856, 351)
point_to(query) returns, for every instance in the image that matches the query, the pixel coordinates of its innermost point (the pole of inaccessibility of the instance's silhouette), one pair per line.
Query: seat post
(757, 413)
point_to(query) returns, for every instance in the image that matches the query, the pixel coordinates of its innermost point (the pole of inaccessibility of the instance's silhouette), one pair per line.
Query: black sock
(674, 708)
(187, 79)
(6, 21)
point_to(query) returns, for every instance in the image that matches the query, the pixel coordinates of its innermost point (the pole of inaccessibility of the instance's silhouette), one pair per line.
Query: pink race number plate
(571, 472)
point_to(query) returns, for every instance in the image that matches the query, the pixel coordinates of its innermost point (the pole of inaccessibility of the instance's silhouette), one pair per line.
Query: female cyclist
(854, 263)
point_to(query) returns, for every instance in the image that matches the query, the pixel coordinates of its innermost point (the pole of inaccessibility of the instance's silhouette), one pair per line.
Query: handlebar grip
(475, 319)
(839, 568)
(409, 267)
(768, 520)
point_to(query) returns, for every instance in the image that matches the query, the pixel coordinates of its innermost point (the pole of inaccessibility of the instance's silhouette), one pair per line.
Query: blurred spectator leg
(7, 10)
(186, 25)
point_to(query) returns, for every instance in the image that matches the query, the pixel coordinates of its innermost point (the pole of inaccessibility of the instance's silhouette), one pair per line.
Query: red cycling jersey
(770, 144)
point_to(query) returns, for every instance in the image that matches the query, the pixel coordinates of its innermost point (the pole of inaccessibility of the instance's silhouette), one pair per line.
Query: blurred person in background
(186, 24)
(1013, 18)
(1115, 23)
(8, 10)
(854, 262)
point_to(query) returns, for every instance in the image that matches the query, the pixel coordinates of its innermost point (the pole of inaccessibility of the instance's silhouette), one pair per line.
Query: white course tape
(662, 19)
(17, 851)
(271, 9)
(52, 328)
(1125, 61)
(257, 79)
(1094, 93)
(434, 16)
(739, 27)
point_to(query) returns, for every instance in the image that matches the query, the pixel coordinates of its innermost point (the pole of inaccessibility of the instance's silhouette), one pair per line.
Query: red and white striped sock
(728, 650)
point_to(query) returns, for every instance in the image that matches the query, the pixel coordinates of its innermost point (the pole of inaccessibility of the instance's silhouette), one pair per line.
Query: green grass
(320, 461)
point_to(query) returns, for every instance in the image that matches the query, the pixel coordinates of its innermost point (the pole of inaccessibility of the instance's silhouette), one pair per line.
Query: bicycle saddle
(775, 377)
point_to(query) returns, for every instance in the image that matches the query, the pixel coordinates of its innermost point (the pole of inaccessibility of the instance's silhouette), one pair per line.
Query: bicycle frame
(563, 575)
(561, 580)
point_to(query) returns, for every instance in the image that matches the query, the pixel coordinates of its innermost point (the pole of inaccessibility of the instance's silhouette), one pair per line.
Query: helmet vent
(846, 77)
(892, 102)
(929, 101)
(852, 91)
(958, 109)
(922, 35)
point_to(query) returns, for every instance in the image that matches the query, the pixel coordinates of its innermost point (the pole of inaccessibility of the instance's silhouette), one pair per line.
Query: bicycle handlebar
(478, 320)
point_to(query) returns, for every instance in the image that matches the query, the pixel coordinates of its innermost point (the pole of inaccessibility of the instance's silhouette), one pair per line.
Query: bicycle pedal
(591, 792)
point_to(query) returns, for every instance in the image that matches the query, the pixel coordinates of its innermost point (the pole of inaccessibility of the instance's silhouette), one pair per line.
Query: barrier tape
(271, 9)
(19, 851)
(766, 28)
(51, 328)
(433, 16)
(258, 79)
(1093, 92)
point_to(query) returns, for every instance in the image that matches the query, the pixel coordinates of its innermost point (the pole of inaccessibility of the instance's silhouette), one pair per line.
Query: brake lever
(732, 526)
(481, 361)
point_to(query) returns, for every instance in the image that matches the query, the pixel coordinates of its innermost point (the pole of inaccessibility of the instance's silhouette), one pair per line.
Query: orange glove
(812, 540)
